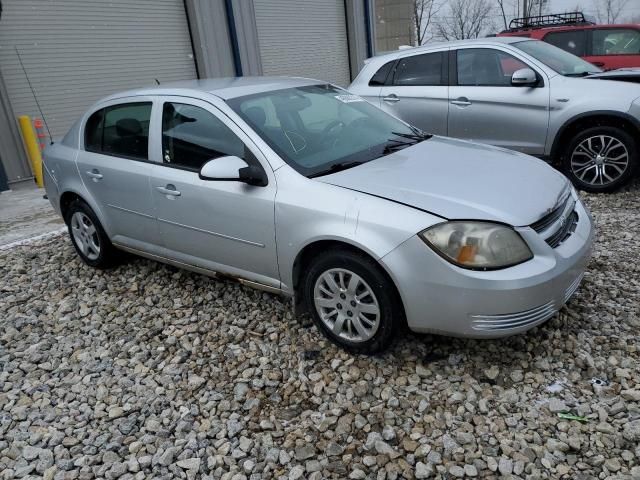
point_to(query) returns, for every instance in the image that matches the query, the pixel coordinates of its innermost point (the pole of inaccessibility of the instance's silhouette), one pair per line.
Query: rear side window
(191, 136)
(381, 75)
(574, 41)
(120, 130)
(420, 70)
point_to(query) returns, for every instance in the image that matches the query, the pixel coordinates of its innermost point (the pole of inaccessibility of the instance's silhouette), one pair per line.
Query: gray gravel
(146, 371)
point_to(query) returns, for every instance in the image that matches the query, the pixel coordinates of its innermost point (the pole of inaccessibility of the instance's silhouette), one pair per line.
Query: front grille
(550, 218)
(513, 320)
(564, 232)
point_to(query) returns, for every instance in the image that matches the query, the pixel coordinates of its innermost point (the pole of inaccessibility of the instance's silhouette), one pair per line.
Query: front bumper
(441, 298)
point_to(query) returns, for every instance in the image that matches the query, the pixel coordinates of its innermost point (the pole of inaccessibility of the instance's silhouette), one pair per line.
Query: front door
(225, 226)
(418, 92)
(113, 164)
(486, 108)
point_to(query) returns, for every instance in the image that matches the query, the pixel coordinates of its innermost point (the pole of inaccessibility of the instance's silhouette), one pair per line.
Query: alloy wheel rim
(85, 235)
(600, 160)
(347, 305)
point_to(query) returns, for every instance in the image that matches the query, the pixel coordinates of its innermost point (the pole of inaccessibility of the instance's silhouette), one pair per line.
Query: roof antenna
(35, 97)
(157, 81)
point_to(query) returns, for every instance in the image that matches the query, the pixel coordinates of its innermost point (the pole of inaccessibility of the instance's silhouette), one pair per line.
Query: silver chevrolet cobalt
(298, 187)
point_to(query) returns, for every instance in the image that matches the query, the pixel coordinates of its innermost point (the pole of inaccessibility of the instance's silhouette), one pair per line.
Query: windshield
(320, 129)
(564, 63)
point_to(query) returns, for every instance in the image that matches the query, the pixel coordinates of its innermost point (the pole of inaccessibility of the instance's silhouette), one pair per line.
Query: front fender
(309, 211)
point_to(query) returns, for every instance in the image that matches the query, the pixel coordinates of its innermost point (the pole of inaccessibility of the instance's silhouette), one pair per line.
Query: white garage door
(306, 38)
(77, 51)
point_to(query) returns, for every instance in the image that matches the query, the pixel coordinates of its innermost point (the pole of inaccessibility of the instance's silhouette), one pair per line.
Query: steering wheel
(326, 131)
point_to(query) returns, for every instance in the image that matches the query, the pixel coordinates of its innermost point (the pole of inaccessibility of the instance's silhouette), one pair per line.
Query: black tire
(585, 177)
(391, 314)
(107, 255)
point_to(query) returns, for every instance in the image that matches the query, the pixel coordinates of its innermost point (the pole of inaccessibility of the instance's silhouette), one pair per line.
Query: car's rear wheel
(601, 159)
(352, 301)
(88, 237)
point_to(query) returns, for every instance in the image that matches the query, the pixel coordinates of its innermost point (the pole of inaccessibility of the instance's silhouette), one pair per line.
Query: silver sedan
(301, 188)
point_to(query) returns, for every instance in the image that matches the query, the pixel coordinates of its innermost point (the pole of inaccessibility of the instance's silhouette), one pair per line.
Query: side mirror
(525, 77)
(233, 169)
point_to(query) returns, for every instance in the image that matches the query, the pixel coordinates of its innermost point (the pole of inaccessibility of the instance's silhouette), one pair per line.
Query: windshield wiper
(579, 74)
(336, 167)
(418, 135)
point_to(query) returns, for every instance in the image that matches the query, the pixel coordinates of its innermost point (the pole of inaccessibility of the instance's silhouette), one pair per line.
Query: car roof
(451, 44)
(225, 88)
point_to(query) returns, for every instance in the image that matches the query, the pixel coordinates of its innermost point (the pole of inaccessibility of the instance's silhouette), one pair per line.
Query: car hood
(456, 179)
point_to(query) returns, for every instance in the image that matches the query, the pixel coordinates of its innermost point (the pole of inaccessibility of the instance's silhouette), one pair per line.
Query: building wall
(393, 24)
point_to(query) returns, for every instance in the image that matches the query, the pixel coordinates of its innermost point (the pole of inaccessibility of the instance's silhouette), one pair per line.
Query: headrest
(128, 127)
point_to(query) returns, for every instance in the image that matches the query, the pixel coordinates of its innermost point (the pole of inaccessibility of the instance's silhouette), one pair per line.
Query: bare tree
(608, 11)
(503, 13)
(424, 11)
(464, 19)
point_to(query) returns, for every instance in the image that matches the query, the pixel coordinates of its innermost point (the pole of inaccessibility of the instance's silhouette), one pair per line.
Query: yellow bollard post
(31, 143)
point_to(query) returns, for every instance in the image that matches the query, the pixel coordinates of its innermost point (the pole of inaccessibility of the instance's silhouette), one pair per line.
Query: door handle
(169, 190)
(392, 98)
(598, 64)
(462, 102)
(94, 174)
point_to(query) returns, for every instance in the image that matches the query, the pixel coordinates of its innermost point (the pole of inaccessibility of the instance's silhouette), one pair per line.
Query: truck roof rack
(550, 20)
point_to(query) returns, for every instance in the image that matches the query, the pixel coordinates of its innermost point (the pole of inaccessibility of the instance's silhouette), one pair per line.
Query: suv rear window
(573, 41)
(423, 69)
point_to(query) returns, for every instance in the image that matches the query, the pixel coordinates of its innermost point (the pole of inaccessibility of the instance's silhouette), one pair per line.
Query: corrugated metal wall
(77, 51)
(305, 38)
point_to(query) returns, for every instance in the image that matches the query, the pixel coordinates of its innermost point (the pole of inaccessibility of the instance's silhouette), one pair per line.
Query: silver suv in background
(516, 93)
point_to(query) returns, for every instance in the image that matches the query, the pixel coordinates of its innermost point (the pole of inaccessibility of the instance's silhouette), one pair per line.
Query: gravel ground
(147, 371)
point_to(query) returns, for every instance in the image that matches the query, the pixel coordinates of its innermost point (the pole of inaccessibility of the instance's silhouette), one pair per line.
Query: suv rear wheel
(601, 159)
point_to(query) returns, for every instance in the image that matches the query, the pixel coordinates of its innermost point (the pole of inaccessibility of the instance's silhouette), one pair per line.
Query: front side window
(557, 59)
(420, 70)
(120, 130)
(574, 41)
(319, 128)
(616, 41)
(485, 67)
(191, 136)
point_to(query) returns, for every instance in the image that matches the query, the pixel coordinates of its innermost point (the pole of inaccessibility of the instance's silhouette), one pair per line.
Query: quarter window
(381, 75)
(191, 136)
(420, 70)
(484, 67)
(120, 130)
(614, 41)
(574, 41)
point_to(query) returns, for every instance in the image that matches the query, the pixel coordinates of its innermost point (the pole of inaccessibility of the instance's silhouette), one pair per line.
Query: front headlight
(477, 245)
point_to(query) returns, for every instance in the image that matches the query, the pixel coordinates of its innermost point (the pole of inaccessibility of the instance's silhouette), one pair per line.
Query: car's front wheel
(352, 301)
(88, 237)
(601, 159)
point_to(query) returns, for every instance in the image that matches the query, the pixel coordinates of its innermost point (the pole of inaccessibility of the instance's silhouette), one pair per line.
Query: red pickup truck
(606, 46)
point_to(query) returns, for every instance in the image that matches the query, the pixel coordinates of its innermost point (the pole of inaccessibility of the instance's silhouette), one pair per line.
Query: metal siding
(77, 51)
(306, 38)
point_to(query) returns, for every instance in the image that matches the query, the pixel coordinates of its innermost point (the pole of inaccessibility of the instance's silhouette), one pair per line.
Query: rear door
(226, 226)
(417, 91)
(573, 41)
(612, 48)
(114, 165)
(486, 108)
